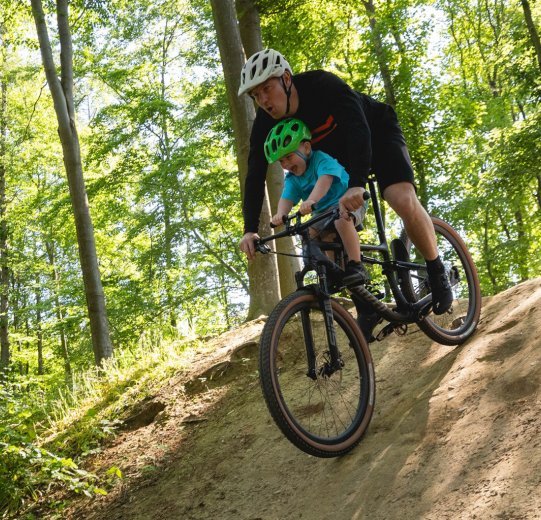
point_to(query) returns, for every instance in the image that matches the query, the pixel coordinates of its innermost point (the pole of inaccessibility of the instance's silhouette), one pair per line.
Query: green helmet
(285, 137)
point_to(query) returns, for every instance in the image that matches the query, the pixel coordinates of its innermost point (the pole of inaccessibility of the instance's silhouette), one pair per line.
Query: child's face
(293, 163)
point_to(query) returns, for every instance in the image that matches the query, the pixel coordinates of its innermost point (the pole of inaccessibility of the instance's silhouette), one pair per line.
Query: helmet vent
(285, 138)
(260, 67)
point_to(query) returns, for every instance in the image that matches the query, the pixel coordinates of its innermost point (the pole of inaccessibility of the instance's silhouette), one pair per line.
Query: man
(360, 132)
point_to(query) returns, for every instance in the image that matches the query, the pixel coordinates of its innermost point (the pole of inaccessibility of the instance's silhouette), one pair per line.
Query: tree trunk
(39, 327)
(64, 350)
(534, 35)
(166, 152)
(538, 192)
(250, 33)
(523, 244)
(168, 236)
(487, 253)
(379, 50)
(62, 94)
(4, 269)
(262, 272)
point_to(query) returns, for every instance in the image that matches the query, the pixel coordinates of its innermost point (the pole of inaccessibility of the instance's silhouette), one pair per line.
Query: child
(315, 178)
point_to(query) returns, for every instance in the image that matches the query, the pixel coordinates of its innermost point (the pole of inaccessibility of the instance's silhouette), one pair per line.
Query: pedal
(399, 329)
(384, 332)
(454, 276)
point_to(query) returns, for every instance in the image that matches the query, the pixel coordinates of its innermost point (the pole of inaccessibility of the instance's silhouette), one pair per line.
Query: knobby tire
(328, 416)
(457, 325)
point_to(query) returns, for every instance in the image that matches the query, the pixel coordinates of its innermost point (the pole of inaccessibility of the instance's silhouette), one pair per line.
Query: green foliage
(158, 158)
(27, 468)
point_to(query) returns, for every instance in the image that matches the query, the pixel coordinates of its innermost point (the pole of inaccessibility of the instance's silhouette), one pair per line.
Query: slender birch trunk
(39, 327)
(62, 94)
(4, 269)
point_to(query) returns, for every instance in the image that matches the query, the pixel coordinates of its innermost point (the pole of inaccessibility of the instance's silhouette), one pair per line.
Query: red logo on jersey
(324, 130)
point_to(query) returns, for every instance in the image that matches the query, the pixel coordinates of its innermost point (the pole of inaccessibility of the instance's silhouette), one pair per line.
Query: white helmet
(260, 67)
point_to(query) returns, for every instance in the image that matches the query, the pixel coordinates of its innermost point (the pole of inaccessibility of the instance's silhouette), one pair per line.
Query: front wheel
(459, 323)
(322, 411)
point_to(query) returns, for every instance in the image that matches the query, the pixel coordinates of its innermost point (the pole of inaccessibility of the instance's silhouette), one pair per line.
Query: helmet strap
(288, 92)
(305, 158)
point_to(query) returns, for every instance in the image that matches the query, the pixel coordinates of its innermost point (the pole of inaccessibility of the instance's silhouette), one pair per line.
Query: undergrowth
(48, 425)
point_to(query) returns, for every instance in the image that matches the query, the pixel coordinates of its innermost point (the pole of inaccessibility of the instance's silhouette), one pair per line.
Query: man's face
(271, 96)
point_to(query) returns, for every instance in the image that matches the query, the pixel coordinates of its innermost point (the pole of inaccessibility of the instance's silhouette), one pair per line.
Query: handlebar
(293, 229)
(298, 227)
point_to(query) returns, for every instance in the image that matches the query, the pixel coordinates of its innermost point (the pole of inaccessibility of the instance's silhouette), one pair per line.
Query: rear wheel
(459, 323)
(327, 412)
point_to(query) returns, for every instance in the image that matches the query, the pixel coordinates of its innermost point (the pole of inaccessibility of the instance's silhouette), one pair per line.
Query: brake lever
(262, 248)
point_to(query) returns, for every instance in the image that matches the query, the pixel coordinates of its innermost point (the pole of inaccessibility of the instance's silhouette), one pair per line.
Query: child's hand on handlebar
(306, 207)
(278, 219)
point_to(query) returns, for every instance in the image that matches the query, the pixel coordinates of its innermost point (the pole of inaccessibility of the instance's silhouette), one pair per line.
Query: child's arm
(320, 189)
(284, 207)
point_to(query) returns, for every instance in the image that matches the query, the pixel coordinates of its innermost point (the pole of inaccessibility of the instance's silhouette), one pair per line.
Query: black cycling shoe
(367, 322)
(442, 295)
(356, 274)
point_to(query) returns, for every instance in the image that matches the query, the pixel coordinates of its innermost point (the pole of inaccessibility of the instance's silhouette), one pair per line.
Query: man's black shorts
(391, 162)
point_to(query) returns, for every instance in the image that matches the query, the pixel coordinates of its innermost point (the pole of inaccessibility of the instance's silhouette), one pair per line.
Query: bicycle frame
(403, 312)
(406, 311)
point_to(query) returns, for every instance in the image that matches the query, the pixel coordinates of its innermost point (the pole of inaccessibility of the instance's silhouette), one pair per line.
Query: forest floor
(456, 434)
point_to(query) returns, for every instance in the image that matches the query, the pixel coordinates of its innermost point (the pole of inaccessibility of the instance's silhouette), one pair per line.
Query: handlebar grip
(284, 221)
(366, 195)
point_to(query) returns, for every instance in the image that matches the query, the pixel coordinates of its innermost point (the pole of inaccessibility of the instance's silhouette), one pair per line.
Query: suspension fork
(325, 305)
(324, 298)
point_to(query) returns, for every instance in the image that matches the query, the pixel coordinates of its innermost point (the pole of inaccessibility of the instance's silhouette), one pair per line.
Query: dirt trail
(455, 435)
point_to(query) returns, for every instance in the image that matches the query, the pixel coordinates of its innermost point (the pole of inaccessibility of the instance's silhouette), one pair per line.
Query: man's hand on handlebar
(247, 244)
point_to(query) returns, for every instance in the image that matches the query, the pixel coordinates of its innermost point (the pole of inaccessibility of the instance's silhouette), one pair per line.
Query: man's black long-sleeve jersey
(341, 121)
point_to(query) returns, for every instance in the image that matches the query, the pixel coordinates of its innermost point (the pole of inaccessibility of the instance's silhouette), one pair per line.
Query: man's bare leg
(403, 199)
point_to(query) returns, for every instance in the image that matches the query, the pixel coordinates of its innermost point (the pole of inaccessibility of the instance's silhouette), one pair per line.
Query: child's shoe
(355, 274)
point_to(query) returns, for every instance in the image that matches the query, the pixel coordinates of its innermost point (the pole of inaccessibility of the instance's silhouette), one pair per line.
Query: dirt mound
(456, 434)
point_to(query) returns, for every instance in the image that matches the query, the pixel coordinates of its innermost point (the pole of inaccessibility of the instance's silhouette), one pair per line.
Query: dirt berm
(455, 435)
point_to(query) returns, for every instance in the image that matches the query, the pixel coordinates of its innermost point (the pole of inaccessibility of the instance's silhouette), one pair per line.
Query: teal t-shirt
(297, 188)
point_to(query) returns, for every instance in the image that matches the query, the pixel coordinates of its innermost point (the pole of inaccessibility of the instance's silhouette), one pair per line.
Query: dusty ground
(455, 435)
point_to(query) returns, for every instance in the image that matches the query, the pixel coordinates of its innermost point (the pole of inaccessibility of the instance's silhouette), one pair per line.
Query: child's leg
(323, 236)
(350, 238)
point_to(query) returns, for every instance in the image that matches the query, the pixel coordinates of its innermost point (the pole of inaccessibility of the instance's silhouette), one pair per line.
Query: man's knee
(402, 198)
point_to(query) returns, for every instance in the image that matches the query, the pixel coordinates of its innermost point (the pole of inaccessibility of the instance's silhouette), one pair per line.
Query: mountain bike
(316, 369)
